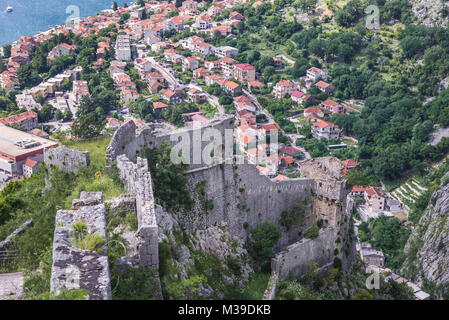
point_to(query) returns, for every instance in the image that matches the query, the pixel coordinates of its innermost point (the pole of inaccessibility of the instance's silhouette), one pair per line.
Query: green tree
(46, 113)
(27, 76)
(307, 5)
(264, 237)
(88, 126)
(59, 115)
(399, 291)
(143, 109)
(7, 51)
(67, 115)
(169, 179)
(2, 66)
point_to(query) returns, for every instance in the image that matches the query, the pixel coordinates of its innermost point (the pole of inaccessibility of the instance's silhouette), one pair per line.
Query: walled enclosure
(74, 268)
(242, 197)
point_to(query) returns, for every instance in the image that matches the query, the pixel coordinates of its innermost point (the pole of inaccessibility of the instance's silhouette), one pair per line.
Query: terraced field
(408, 193)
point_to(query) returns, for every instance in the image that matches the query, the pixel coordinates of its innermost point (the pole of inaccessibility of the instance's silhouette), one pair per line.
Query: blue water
(33, 16)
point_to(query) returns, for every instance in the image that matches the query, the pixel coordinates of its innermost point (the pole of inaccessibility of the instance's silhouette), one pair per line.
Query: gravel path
(10, 283)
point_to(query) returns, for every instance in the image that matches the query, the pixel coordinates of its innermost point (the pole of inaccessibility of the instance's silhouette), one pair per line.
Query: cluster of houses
(375, 259)
(225, 66)
(298, 92)
(252, 141)
(60, 50)
(123, 82)
(164, 17)
(375, 202)
(20, 55)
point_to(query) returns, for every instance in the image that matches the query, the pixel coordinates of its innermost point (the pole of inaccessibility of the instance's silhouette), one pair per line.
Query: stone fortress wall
(296, 258)
(137, 181)
(7, 245)
(74, 268)
(243, 198)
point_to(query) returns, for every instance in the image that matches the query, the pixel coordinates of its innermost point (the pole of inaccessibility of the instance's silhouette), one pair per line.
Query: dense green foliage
(133, 284)
(264, 237)
(92, 113)
(387, 235)
(40, 196)
(169, 179)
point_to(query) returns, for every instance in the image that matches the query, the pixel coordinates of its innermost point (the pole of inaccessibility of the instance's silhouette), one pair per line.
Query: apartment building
(123, 48)
(325, 130)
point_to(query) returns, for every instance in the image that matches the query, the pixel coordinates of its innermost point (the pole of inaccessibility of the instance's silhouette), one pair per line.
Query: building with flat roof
(17, 146)
(123, 48)
(26, 101)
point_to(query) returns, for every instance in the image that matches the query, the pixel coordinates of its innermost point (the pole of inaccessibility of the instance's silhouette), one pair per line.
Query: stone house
(325, 87)
(26, 120)
(372, 256)
(30, 166)
(375, 199)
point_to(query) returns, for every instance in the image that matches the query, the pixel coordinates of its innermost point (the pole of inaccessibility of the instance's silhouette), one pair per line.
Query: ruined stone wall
(239, 196)
(242, 196)
(74, 268)
(137, 181)
(66, 159)
(125, 141)
(296, 258)
(270, 292)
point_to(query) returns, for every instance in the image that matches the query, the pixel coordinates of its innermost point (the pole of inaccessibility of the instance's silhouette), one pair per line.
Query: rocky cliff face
(429, 13)
(427, 249)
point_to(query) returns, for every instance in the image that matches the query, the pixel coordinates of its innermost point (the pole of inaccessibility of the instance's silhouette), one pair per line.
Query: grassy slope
(104, 183)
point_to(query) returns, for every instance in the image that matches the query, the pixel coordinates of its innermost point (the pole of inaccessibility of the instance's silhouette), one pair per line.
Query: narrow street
(174, 83)
(213, 100)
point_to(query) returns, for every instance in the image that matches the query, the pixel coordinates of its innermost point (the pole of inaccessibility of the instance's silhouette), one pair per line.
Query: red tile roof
(244, 66)
(322, 84)
(289, 150)
(30, 163)
(323, 124)
(312, 109)
(358, 189)
(159, 105)
(330, 102)
(18, 117)
(271, 126)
